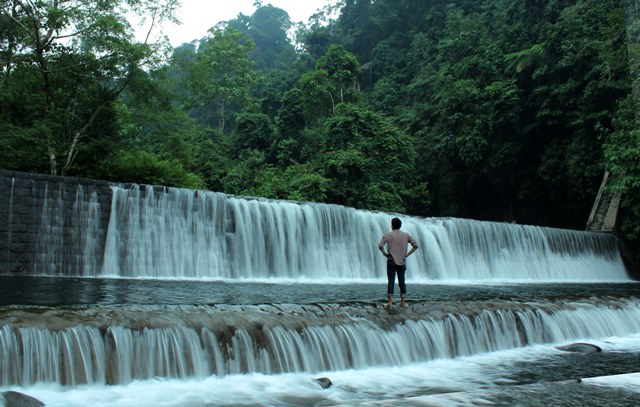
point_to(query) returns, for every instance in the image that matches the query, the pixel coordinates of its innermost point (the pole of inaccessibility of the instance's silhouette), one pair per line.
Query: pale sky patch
(198, 16)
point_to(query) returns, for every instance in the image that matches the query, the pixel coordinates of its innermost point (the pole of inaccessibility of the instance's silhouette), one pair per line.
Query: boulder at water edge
(15, 399)
(580, 347)
(325, 382)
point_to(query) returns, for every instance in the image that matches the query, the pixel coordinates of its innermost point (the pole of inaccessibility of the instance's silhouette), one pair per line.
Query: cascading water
(75, 354)
(50, 243)
(69, 241)
(10, 218)
(185, 234)
(195, 288)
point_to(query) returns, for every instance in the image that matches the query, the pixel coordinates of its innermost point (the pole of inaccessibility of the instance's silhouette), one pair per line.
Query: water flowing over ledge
(179, 233)
(115, 345)
(137, 286)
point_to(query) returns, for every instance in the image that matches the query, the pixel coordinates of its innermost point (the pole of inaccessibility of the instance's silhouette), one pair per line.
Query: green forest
(502, 110)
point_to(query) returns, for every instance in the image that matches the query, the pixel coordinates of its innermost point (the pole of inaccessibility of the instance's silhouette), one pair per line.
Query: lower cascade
(272, 340)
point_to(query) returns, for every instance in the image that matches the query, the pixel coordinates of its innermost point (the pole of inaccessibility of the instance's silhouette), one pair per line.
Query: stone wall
(39, 212)
(51, 225)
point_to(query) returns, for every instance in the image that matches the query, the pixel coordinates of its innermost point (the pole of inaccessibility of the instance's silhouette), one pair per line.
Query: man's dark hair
(396, 223)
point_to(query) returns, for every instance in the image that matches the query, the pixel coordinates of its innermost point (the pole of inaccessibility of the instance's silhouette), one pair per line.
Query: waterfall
(179, 233)
(139, 231)
(137, 319)
(91, 354)
(50, 244)
(10, 223)
(69, 240)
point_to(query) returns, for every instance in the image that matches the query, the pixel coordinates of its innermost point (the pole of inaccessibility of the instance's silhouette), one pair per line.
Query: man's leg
(403, 287)
(391, 280)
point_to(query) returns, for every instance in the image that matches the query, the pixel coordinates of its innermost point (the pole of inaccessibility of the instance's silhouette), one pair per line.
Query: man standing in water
(396, 243)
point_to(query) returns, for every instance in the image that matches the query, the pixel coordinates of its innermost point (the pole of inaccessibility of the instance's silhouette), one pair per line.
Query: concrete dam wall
(61, 226)
(28, 198)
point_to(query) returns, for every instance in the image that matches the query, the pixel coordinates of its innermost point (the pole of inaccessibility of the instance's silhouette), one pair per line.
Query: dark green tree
(268, 28)
(253, 131)
(70, 61)
(222, 73)
(368, 159)
(622, 152)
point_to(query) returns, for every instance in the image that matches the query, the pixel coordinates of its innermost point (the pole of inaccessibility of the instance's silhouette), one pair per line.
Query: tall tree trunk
(221, 112)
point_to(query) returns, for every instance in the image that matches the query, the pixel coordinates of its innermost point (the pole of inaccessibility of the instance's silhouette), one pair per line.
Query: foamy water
(483, 379)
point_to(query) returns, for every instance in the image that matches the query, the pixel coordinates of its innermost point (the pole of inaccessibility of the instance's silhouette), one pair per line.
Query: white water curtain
(180, 233)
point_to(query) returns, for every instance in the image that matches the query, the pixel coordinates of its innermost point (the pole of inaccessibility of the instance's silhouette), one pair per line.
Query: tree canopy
(64, 66)
(506, 110)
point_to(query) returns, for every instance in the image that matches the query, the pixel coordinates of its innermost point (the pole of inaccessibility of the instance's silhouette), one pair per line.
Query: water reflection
(98, 291)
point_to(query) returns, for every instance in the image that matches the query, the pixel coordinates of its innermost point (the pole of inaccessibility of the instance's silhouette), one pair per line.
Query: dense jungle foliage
(507, 110)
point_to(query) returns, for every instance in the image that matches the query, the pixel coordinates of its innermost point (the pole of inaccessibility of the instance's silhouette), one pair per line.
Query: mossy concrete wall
(41, 217)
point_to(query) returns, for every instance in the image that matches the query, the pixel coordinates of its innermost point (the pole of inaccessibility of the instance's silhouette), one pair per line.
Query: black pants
(392, 270)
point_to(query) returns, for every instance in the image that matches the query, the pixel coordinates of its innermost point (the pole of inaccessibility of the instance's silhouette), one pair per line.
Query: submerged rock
(16, 399)
(580, 347)
(325, 382)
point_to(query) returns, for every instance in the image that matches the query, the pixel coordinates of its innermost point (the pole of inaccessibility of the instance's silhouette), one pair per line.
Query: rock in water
(580, 347)
(324, 382)
(15, 399)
